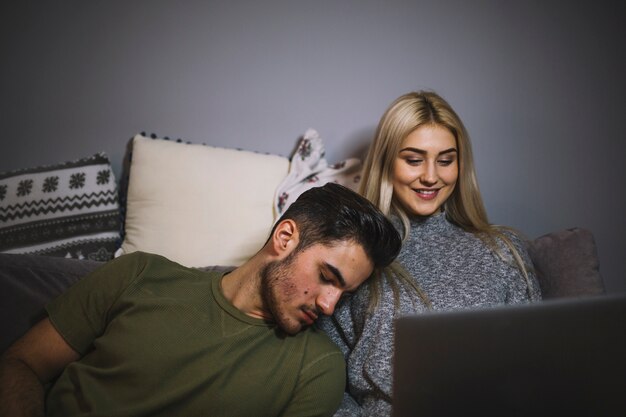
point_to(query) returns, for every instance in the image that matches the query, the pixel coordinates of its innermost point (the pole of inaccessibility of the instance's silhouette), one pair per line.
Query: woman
(420, 172)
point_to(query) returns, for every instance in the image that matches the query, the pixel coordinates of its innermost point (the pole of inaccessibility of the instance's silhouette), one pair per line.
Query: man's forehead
(348, 261)
(338, 248)
(343, 243)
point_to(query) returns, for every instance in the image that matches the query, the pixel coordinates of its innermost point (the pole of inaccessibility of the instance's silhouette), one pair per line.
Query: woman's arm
(340, 330)
(522, 288)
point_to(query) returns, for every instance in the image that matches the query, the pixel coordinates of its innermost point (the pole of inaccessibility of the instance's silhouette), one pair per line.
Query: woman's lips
(427, 194)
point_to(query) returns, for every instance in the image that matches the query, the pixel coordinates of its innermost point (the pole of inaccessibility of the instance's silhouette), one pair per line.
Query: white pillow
(199, 205)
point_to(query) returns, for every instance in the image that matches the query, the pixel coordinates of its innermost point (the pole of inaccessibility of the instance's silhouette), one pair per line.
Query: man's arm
(31, 362)
(320, 388)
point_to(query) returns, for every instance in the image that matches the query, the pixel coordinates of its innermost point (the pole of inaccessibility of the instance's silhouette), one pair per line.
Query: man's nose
(327, 300)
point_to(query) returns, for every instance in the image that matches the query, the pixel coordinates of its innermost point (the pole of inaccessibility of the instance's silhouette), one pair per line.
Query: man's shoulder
(147, 257)
(319, 345)
(143, 268)
(143, 260)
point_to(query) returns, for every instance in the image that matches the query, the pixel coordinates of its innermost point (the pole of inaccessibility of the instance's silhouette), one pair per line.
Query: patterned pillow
(309, 169)
(68, 210)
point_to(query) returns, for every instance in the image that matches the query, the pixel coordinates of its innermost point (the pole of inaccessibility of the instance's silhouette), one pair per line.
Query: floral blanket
(309, 169)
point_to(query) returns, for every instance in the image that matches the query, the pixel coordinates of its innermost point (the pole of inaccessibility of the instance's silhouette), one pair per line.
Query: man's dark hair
(333, 213)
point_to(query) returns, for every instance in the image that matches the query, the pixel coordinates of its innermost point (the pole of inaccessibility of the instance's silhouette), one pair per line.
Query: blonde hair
(464, 207)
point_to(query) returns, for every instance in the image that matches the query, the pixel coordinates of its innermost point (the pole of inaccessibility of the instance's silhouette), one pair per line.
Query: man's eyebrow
(337, 273)
(421, 151)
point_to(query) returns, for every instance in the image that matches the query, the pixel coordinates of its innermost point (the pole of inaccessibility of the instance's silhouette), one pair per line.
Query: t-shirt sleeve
(320, 387)
(81, 314)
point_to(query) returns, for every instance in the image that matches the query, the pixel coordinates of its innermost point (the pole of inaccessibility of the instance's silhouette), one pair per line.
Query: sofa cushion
(199, 205)
(27, 283)
(566, 263)
(69, 209)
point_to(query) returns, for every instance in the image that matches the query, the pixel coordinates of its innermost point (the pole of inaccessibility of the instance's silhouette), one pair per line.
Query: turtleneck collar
(437, 222)
(432, 220)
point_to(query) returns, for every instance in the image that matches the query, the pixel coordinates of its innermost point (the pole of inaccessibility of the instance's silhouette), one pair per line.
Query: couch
(199, 205)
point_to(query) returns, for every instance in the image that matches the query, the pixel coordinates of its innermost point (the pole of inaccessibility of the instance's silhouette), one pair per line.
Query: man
(145, 336)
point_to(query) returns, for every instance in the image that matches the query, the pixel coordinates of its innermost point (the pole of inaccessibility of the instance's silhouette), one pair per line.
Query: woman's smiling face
(426, 170)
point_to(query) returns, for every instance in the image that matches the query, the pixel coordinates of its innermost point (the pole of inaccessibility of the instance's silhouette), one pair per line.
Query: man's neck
(242, 287)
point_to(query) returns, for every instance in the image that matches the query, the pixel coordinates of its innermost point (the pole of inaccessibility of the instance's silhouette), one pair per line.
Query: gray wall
(539, 84)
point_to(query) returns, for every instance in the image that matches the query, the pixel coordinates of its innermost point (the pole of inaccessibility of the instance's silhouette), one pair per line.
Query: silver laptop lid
(553, 358)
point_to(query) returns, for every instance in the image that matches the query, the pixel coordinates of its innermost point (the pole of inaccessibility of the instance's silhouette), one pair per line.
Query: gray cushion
(566, 263)
(27, 283)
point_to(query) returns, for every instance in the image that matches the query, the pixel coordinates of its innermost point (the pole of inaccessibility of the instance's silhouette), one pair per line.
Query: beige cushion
(199, 205)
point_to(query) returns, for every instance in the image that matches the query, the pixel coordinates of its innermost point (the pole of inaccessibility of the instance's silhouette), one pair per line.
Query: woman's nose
(429, 175)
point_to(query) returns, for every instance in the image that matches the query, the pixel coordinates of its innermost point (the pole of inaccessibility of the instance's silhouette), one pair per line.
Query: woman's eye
(445, 162)
(414, 161)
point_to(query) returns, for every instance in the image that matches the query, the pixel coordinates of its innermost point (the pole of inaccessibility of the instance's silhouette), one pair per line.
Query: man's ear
(285, 238)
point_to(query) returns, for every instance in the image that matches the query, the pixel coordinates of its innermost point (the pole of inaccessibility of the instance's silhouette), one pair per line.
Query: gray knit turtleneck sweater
(455, 269)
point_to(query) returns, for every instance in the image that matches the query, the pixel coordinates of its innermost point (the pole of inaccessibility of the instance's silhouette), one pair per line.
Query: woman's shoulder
(512, 244)
(514, 236)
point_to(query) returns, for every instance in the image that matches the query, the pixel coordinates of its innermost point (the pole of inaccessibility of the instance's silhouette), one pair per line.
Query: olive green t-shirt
(160, 339)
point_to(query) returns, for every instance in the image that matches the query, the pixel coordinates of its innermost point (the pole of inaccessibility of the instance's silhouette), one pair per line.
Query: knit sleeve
(370, 340)
(521, 288)
(340, 329)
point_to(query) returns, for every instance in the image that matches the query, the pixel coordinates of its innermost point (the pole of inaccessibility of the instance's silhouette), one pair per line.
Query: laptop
(562, 357)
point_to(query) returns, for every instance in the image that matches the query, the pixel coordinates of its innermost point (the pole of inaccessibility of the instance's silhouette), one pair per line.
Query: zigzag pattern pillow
(69, 210)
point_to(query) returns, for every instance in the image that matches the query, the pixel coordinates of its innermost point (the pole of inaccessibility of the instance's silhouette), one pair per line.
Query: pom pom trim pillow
(69, 210)
(199, 205)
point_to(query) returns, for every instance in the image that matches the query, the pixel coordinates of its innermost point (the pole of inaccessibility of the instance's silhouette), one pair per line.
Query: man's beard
(277, 290)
